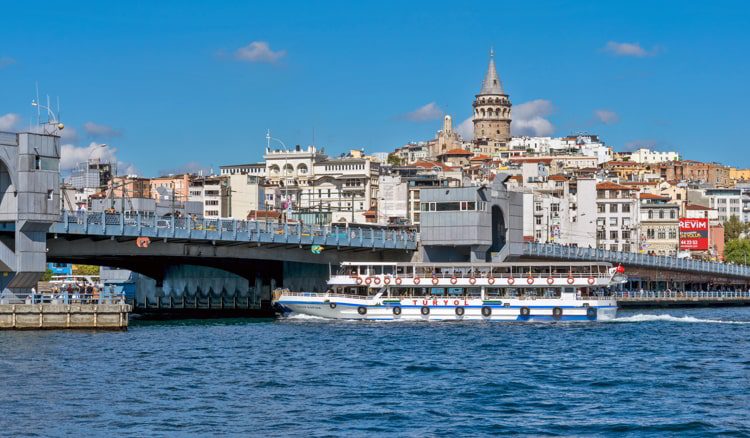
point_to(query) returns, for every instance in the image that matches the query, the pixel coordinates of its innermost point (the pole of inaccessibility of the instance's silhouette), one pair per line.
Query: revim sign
(694, 234)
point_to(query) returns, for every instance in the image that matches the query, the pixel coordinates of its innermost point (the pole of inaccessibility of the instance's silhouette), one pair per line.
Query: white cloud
(629, 49)
(70, 155)
(529, 118)
(69, 134)
(606, 116)
(258, 51)
(6, 61)
(466, 129)
(9, 121)
(427, 112)
(97, 130)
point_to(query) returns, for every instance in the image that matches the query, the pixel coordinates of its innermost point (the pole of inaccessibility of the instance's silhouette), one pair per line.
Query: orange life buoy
(399, 280)
(530, 280)
(417, 280)
(387, 280)
(359, 280)
(454, 280)
(368, 280)
(376, 280)
(435, 280)
(591, 280)
(550, 280)
(570, 280)
(473, 280)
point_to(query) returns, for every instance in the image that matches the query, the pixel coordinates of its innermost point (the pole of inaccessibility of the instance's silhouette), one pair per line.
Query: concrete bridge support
(29, 204)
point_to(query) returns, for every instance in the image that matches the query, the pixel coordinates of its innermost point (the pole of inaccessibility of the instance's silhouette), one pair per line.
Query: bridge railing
(631, 258)
(115, 223)
(676, 295)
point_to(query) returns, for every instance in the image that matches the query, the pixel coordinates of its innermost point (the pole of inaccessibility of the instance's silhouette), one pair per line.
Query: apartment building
(659, 225)
(618, 212)
(213, 193)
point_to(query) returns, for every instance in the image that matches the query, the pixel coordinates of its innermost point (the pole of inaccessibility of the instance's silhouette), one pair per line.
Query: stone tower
(491, 112)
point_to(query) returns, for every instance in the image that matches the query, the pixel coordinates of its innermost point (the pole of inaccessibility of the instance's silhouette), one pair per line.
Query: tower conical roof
(492, 84)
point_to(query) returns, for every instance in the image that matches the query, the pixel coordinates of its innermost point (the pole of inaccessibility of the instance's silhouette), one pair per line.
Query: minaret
(492, 111)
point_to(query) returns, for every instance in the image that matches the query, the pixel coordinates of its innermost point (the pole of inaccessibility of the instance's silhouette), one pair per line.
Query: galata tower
(492, 111)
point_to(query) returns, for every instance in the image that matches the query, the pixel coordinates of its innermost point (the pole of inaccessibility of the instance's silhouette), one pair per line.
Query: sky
(175, 86)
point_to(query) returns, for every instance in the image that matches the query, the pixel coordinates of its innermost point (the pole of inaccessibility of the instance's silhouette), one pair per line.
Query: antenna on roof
(53, 124)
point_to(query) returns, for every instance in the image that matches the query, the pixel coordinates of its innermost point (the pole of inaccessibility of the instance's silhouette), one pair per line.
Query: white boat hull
(449, 309)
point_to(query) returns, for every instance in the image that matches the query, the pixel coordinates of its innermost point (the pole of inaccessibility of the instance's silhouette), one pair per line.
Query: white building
(393, 198)
(618, 213)
(726, 202)
(213, 193)
(246, 194)
(647, 156)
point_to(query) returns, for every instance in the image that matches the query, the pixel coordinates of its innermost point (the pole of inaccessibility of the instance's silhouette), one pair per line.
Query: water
(667, 372)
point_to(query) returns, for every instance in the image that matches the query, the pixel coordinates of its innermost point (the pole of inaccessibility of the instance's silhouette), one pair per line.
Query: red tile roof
(652, 196)
(695, 207)
(457, 151)
(609, 185)
(558, 178)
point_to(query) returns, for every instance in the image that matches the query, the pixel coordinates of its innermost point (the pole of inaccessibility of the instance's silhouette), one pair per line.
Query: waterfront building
(246, 193)
(213, 193)
(175, 186)
(492, 113)
(618, 212)
(659, 225)
(648, 156)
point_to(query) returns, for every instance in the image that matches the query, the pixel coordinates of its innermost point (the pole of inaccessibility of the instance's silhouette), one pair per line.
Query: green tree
(47, 276)
(394, 160)
(737, 251)
(85, 270)
(733, 228)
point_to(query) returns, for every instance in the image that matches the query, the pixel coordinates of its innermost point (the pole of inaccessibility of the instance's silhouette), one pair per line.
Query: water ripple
(683, 373)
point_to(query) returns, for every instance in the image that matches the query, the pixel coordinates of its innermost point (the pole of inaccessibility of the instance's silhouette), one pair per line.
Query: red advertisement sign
(694, 234)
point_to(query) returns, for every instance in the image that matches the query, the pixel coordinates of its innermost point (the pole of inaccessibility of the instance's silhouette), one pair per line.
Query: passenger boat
(462, 291)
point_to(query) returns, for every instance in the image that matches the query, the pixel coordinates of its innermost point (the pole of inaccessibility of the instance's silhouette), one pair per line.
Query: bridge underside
(251, 269)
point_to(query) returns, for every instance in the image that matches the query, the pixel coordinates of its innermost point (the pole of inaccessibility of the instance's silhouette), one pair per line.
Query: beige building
(492, 116)
(659, 225)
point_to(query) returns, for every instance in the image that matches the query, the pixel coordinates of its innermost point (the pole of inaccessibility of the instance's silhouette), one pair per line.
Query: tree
(737, 251)
(47, 276)
(85, 270)
(394, 159)
(733, 228)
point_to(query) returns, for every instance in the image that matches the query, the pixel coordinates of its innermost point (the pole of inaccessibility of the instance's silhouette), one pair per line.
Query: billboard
(693, 234)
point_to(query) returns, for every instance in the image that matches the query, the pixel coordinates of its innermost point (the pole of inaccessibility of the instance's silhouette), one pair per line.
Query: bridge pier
(29, 204)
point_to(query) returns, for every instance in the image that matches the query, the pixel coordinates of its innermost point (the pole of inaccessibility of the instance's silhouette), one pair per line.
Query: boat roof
(476, 265)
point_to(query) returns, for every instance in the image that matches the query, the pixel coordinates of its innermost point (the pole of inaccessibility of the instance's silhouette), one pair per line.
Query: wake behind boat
(462, 291)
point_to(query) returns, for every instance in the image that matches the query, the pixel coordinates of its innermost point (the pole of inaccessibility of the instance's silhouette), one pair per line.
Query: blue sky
(176, 85)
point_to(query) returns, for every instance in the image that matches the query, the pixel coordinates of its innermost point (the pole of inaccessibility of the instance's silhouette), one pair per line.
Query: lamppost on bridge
(286, 163)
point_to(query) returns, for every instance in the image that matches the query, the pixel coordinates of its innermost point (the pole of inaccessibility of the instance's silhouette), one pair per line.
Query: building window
(600, 208)
(672, 214)
(613, 221)
(661, 214)
(538, 220)
(661, 235)
(626, 208)
(650, 214)
(600, 235)
(626, 247)
(613, 208)
(626, 234)
(613, 235)
(650, 233)
(613, 247)
(672, 233)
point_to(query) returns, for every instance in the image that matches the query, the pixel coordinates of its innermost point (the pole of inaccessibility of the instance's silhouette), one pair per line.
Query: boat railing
(530, 297)
(480, 275)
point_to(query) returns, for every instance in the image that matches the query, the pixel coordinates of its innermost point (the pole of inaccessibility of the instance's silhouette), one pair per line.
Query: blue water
(649, 373)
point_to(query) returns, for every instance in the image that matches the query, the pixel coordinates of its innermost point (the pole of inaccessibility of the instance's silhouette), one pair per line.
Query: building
(93, 174)
(617, 210)
(492, 113)
(713, 174)
(171, 187)
(213, 193)
(726, 202)
(647, 156)
(393, 200)
(130, 187)
(246, 193)
(447, 139)
(659, 225)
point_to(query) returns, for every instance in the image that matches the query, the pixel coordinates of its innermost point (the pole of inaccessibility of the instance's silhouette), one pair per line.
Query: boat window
(455, 291)
(437, 291)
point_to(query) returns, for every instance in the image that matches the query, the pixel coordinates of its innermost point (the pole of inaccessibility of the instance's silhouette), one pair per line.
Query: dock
(48, 316)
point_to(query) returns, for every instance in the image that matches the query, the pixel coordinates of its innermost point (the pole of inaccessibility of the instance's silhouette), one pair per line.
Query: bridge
(188, 260)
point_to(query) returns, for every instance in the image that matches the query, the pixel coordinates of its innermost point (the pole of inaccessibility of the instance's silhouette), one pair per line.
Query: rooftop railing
(634, 259)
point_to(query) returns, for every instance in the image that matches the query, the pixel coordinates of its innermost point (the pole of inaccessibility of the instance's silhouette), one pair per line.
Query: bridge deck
(634, 259)
(231, 230)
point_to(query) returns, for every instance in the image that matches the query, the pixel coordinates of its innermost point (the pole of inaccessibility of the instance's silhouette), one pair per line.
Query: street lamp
(286, 161)
(96, 148)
